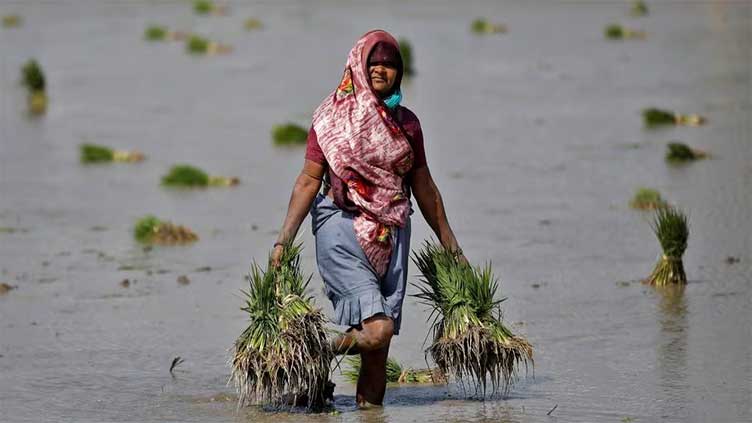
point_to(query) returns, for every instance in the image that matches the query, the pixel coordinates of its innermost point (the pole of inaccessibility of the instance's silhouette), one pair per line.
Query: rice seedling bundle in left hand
(151, 230)
(672, 229)
(470, 341)
(92, 153)
(32, 77)
(187, 176)
(284, 352)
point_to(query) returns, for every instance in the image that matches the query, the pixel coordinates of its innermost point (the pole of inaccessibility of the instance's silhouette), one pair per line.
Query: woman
(368, 151)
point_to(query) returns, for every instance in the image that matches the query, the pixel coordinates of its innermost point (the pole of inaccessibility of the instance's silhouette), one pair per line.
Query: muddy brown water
(534, 138)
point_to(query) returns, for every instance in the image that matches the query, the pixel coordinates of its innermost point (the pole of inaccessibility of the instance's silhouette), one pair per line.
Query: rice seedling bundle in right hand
(470, 342)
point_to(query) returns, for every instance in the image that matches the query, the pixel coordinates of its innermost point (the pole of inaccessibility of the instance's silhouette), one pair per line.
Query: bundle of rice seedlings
(483, 26)
(289, 134)
(396, 373)
(647, 199)
(657, 117)
(155, 33)
(33, 79)
(252, 23)
(672, 229)
(92, 153)
(187, 176)
(618, 32)
(284, 352)
(151, 230)
(11, 21)
(470, 341)
(677, 152)
(406, 51)
(639, 8)
(199, 45)
(205, 7)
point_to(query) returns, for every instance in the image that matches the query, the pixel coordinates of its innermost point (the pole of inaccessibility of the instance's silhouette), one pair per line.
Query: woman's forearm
(305, 190)
(432, 206)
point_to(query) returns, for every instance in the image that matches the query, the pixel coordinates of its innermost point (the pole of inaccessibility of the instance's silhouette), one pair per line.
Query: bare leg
(372, 381)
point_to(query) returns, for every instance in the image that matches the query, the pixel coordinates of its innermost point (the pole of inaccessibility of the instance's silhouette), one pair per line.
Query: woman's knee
(377, 333)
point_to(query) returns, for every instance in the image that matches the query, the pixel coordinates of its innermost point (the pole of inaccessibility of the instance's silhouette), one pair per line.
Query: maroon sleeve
(415, 135)
(313, 149)
(419, 151)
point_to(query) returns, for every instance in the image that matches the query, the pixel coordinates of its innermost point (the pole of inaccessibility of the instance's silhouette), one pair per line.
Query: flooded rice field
(534, 137)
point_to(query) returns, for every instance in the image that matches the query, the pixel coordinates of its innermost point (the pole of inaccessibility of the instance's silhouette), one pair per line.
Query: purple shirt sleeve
(313, 149)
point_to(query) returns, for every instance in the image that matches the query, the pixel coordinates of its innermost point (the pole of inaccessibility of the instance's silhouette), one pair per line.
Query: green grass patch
(203, 7)
(184, 175)
(406, 51)
(677, 152)
(32, 77)
(11, 21)
(639, 8)
(289, 134)
(647, 199)
(197, 45)
(482, 26)
(155, 33)
(658, 117)
(92, 153)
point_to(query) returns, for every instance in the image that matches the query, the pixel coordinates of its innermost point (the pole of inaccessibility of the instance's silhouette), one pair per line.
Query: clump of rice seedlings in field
(672, 229)
(396, 373)
(406, 51)
(289, 134)
(639, 8)
(658, 117)
(206, 7)
(156, 33)
(188, 176)
(284, 352)
(677, 152)
(647, 199)
(199, 46)
(252, 23)
(33, 79)
(483, 26)
(618, 32)
(11, 21)
(93, 153)
(470, 341)
(151, 230)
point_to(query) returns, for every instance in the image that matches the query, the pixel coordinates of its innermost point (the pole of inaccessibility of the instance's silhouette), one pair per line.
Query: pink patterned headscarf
(369, 151)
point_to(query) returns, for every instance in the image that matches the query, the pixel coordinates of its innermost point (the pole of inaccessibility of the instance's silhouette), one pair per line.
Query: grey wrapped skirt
(351, 283)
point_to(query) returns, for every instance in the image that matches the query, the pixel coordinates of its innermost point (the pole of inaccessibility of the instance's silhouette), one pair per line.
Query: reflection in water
(672, 351)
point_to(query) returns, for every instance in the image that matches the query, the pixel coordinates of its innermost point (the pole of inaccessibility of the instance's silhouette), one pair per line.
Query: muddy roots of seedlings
(671, 227)
(470, 342)
(283, 357)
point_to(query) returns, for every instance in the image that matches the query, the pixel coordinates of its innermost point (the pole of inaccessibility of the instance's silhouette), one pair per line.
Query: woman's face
(382, 77)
